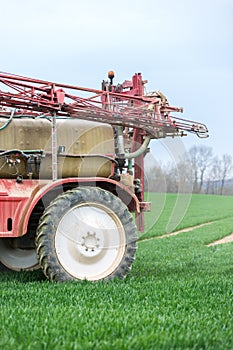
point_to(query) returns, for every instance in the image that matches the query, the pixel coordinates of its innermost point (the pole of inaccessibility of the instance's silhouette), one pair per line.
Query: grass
(190, 211)
(179, 295)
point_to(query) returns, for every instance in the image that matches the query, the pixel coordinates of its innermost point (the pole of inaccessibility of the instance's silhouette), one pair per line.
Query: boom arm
(122, 105)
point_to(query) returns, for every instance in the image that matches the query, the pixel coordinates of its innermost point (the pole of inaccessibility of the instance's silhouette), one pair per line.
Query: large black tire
(15, 258)
(86, 233)
(19, 253)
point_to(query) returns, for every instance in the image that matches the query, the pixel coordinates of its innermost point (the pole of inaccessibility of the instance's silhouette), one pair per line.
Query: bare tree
(214, 174)
(226, 169)
(193, 153)
(218, 172)
(171, 178)
(196, 168)
(154, 175)
(201, 158)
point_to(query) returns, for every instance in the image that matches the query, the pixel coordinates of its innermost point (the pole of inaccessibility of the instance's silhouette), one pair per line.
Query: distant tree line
(199, 171)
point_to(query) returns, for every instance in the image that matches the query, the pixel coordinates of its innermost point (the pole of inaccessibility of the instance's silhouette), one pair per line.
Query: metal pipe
(9, 120)
(54, 147)
(138, 152)
(120, 142)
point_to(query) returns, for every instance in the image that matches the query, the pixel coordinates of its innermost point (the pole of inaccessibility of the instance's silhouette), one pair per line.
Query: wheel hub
(90, 242)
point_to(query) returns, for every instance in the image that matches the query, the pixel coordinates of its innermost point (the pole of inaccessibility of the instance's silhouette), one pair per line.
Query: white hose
(138, 152)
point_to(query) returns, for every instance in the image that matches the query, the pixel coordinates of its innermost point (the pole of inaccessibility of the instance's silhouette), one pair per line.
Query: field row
(171, 212)
(178, 295)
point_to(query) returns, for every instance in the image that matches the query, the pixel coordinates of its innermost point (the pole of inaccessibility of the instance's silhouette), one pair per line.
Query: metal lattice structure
(124, 105)
(57, 211)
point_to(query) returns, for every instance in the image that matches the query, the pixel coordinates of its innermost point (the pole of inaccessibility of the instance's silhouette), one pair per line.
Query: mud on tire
(86, 233)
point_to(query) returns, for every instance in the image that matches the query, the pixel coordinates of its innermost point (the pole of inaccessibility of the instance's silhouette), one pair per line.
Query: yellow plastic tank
(84, 148)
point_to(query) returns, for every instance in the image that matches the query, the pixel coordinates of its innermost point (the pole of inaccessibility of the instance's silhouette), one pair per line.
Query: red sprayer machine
(72, 172)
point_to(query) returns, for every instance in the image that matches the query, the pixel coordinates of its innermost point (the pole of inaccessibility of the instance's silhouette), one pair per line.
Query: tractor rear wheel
(86, 233)
(15, 258)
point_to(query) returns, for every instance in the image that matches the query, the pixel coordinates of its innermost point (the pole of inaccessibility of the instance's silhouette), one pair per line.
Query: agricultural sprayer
(72, 173)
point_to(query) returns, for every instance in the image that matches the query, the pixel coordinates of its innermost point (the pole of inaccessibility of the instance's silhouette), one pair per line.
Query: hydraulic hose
(138, 152)
(9, 120)
(120, 141)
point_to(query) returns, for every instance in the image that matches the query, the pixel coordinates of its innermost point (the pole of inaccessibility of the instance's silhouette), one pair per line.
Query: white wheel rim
(90, 241)
(17, 259)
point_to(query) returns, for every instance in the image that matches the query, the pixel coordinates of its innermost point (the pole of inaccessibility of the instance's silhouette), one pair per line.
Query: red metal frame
(17, 200)
(121, 105)
(128, 108)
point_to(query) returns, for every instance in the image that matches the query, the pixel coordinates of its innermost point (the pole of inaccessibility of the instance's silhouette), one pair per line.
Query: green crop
(178, 295)
(201, 209)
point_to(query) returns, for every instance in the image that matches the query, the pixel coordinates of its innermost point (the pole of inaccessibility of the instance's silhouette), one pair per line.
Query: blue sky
(184, 48)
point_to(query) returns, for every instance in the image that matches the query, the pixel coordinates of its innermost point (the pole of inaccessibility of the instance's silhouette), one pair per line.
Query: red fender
(43, 188)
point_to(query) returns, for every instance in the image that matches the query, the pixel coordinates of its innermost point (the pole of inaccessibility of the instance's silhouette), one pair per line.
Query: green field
(178, 295)
(198, 209)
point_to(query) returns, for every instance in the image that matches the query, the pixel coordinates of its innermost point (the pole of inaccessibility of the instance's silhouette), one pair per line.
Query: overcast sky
(183, 47)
